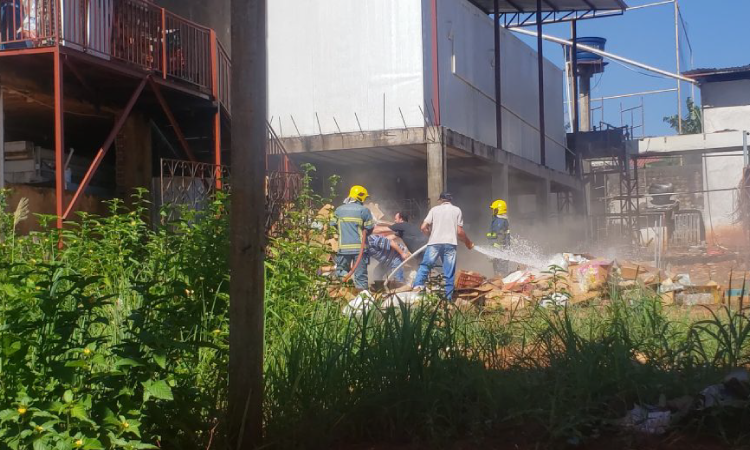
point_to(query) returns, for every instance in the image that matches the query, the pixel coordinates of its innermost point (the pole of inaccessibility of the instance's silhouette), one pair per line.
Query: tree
(692, 124)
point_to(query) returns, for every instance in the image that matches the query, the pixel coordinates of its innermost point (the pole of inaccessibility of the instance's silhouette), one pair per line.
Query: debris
(733, 392)
(516, 279)
(500, 300)
(554, 300)
(591, 275)
(647, 419)
(558, 260)
(403, 298)
(468, 280)
(360, 305)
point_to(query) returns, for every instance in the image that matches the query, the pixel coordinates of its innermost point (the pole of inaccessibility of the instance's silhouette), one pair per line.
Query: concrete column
(2, 139)
(542, 199)
(437, 169)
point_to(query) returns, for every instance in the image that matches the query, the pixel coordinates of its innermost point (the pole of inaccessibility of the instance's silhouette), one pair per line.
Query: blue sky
(718, 33)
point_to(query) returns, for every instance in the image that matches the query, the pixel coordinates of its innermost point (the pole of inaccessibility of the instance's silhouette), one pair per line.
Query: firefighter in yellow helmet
(499, 235)
(353, 220)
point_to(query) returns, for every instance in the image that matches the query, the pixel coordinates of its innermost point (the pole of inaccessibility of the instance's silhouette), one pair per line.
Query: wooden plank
(249, 142)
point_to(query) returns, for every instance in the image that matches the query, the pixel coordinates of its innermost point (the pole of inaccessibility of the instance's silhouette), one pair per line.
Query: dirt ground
(517, 441)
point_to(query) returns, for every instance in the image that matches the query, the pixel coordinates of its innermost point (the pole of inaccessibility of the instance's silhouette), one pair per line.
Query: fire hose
(388, 278)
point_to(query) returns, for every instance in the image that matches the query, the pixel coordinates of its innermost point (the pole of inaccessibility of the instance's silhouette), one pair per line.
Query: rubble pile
(576, 279)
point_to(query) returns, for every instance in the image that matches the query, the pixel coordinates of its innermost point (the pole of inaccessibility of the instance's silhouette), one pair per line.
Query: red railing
(136, 32)
(188, 50)
(28, 23)
(224, 78)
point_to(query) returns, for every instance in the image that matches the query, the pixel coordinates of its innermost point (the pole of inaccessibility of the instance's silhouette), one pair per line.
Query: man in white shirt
(445, 227)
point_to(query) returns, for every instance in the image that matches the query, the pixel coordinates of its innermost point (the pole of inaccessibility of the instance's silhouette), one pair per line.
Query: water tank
(585, 57)
(587, 61)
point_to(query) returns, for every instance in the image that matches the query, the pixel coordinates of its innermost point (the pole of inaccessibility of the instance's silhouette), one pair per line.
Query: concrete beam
(424, 137)
(489, 153)
(437, 172)
(351, 141)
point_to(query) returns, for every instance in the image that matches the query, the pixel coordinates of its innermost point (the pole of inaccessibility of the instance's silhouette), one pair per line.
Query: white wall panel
(341, 57)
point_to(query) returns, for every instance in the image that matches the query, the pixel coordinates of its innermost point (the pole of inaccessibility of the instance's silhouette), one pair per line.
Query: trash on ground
(647, 419)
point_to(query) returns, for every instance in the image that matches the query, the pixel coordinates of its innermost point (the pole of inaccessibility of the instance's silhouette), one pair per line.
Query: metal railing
(187, 184)
(135, 32)
(28, 23)
(224, 78)
(187, 51)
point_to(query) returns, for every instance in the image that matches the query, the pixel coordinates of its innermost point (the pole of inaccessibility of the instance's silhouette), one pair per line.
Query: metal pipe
(574, 67)
(705, 191)
(633, 8)
(59, 137)
(498, 81)
(574, 98)
(634, 94)
(677, 57)
(540, 63)
(611, 56)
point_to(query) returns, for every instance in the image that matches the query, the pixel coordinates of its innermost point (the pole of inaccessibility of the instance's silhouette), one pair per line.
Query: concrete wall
(214, 14)
(726, 105)
(722, 173)
(338, 58)
(467, 86)
(42, 201)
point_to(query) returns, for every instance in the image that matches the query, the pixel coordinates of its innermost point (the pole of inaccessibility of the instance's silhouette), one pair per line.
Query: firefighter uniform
(499, 235)
(352, 219)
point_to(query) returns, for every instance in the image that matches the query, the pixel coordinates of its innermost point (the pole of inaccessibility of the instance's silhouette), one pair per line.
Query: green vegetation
(119, 340)
(692, 124)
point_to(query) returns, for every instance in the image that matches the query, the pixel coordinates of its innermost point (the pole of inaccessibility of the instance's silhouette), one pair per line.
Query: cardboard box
(699, 295)
(500, 300)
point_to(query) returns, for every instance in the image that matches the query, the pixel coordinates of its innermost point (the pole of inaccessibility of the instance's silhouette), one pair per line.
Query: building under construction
(98, 94)
(100, 97)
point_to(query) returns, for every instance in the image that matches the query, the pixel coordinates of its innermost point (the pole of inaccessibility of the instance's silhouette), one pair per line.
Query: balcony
(129, 33)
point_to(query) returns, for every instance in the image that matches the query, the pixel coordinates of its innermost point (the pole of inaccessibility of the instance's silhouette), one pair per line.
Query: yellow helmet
(358, 193)
(499, 207)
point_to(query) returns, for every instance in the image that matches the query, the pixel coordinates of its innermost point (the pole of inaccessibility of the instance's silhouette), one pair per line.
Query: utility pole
(249, 141)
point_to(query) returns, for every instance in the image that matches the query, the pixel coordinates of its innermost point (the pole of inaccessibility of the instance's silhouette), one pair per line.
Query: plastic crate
(468, 280)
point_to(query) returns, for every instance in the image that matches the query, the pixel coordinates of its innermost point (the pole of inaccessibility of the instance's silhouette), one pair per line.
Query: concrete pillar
(542, 199)
(437, 170)
(2, 139)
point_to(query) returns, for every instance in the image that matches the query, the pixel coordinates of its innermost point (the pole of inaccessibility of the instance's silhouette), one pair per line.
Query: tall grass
(127, 325)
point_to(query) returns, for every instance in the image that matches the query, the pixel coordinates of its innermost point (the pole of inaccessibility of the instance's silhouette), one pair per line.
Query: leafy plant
(692, 124)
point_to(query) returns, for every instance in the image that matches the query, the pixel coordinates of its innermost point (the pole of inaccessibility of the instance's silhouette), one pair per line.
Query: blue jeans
(344, 264)
(389, 265)
(435, 252)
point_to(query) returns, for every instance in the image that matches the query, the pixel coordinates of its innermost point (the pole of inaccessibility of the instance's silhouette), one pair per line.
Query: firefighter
(499, 235)
(354, 222)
